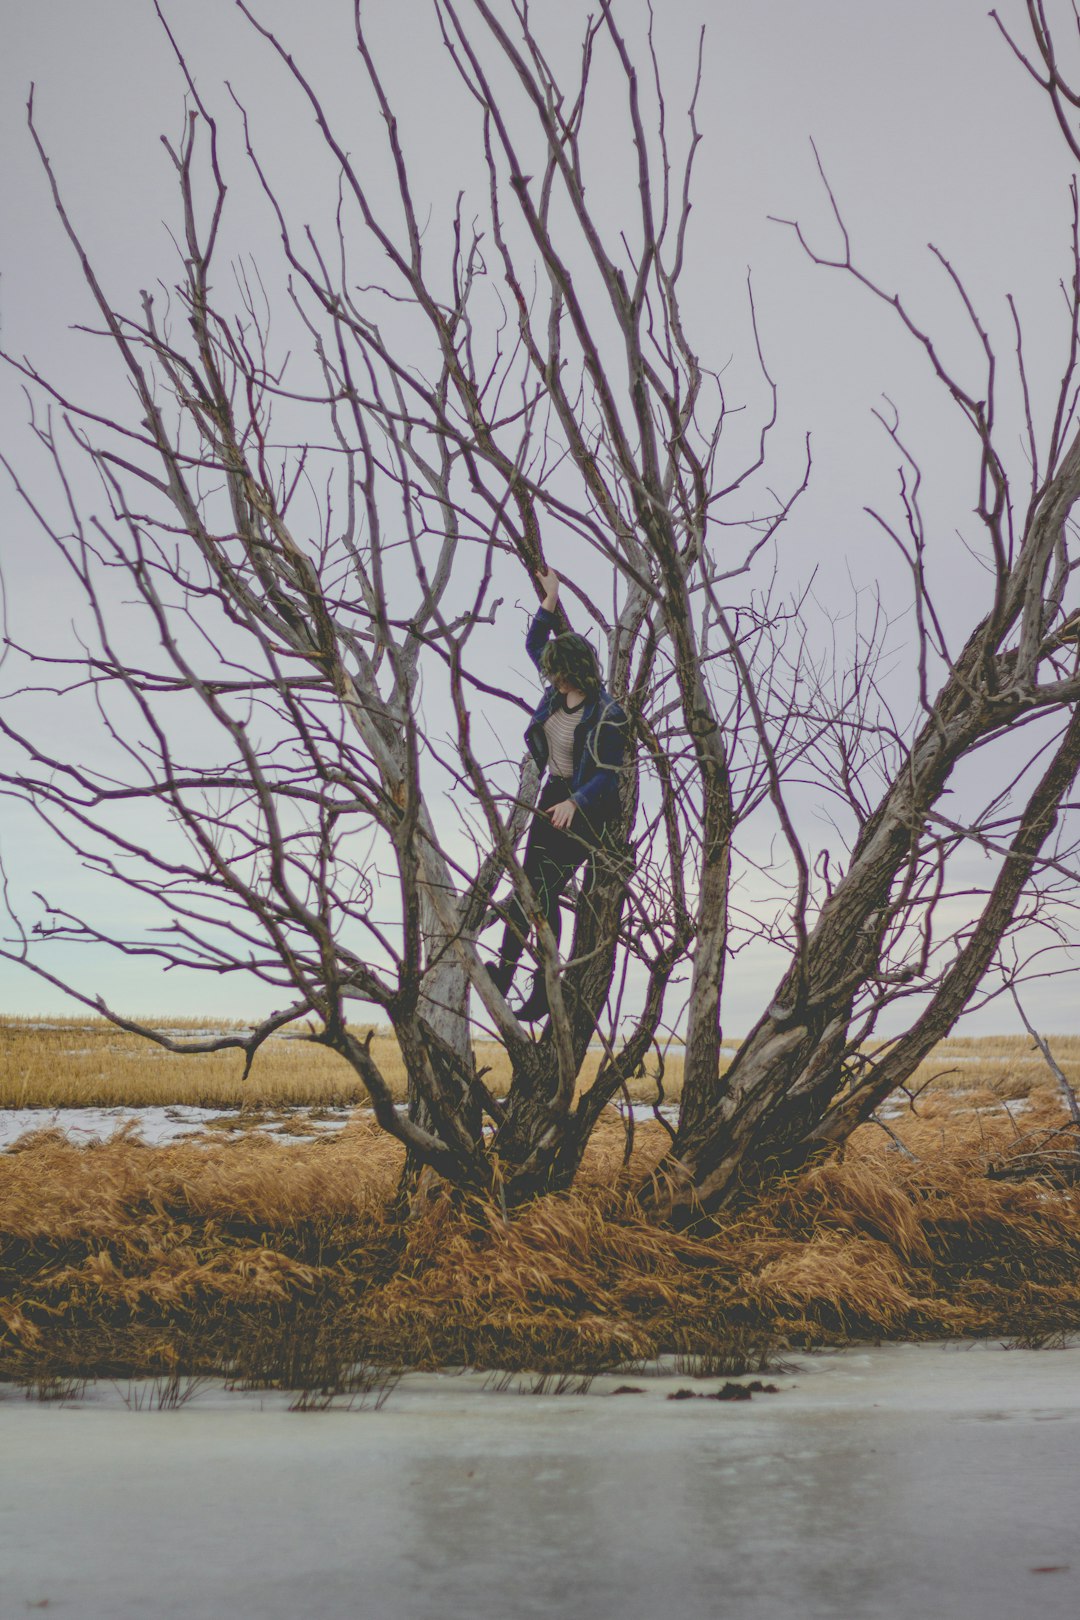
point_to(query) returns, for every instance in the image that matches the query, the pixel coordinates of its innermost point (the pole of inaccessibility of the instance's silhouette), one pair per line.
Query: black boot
(535, 1006)
(500, 974)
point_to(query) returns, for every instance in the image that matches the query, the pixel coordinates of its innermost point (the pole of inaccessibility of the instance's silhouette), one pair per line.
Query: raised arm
(546, 616)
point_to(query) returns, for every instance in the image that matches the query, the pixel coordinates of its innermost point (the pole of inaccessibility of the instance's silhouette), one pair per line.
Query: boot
(535, 1006)
(500, 974)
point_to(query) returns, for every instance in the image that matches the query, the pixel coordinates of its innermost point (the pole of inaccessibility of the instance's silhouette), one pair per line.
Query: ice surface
(160, 1126)
(917, 1482)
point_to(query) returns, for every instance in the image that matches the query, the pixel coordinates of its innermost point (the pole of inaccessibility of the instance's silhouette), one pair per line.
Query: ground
(260, 1243)
(925, 1482)
(231, 1381)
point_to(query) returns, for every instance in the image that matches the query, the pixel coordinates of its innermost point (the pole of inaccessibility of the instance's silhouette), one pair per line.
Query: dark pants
(552, 856)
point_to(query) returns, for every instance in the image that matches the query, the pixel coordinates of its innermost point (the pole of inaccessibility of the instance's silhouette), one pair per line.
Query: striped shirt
(559, 729)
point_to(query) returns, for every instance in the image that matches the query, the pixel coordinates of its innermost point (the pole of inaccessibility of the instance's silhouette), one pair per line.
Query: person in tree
(578, 734)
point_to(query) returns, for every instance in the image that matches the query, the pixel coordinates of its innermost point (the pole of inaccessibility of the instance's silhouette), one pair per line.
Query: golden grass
(83, 1063)
(285, 1264)
(88, 1063)
(1008, 1065)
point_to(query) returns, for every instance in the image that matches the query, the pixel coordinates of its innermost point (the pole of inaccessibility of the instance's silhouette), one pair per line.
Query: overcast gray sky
(927, 128)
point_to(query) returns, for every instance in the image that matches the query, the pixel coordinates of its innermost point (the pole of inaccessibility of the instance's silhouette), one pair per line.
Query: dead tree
(304, 581)
(319, 547)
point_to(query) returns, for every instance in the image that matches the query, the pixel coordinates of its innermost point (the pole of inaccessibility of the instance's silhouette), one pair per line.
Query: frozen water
(159, 1126)
(917, 1482)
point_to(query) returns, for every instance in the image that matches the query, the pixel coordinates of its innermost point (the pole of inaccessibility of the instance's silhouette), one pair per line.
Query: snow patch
(158, 1127)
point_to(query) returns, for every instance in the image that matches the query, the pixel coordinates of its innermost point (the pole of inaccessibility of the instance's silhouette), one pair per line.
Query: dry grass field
(88, 1063)
(284, 1264)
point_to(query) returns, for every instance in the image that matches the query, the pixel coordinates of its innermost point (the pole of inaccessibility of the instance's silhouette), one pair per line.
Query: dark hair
(573, 658)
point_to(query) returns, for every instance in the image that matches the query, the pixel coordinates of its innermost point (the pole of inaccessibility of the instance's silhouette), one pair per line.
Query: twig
(1067, 1092)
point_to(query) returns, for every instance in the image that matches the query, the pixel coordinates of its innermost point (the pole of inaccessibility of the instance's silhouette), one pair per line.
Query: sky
(928, 131)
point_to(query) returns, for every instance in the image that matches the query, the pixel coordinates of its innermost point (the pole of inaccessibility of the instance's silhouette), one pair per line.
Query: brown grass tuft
(283, 1263)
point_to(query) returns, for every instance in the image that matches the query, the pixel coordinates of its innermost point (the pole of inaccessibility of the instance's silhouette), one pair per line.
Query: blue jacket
(599, 742)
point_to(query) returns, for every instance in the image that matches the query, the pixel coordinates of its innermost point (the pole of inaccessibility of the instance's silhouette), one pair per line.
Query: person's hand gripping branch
(548, 581)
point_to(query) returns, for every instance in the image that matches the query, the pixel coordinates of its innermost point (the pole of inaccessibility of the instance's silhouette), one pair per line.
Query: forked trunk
(788, 1093)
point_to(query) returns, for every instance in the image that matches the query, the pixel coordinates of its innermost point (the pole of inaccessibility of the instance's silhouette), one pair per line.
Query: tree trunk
(787, 1071)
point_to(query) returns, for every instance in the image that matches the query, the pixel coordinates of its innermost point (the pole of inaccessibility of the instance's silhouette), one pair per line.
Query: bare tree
(317, 547)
